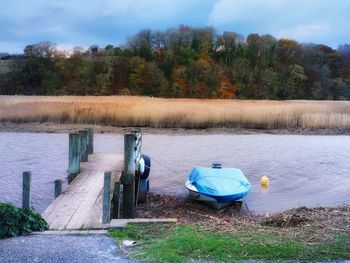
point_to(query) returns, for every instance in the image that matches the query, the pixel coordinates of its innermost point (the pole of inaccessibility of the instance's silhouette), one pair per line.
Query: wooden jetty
(97, 185)
(93, 195)
(80, 205)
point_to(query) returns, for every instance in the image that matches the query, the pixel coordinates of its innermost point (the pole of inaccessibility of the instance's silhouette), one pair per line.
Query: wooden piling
(128, 176)
(106, 205)
(90, 140)
(26, 190)
(115, 213)
(83, 145)
(74, 156)
(58, 187)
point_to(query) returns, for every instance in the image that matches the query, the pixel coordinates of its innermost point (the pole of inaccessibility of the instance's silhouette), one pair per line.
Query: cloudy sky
(71, 23)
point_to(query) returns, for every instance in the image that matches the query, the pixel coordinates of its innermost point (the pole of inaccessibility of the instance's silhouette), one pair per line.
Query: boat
(217, 187)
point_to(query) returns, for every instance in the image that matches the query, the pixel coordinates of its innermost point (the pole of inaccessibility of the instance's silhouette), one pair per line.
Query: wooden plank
(88, 192)
(80, 204)
(118, 223)
(88, 214)
(94, 220)
(71, 232)
(63, 203)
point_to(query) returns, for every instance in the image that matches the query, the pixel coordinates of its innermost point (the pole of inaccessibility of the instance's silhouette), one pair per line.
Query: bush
(15, 221)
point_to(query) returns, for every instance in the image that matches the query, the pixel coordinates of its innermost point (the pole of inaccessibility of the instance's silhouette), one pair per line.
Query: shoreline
(49, 127)
(298, 234)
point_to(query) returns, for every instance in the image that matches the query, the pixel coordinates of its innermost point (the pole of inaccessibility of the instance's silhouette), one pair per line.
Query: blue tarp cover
(219, 182)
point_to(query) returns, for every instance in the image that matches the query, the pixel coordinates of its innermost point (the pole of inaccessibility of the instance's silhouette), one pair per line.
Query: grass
(124, 111)
(181, 243)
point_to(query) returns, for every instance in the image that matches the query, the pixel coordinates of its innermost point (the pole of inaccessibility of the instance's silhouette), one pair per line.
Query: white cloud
(136, 8)
(87, 22)
(68, 47)
(324, 21)
(305, 32)
(229, 11)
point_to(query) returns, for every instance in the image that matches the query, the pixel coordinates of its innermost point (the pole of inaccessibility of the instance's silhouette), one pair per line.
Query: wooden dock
(80, 205)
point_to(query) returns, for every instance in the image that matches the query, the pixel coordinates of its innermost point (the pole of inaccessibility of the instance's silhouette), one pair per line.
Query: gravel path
(61, 248)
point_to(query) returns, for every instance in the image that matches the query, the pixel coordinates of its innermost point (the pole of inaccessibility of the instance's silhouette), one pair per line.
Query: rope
(166, 166)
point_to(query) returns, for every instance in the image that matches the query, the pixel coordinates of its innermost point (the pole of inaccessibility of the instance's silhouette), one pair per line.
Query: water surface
(303, 170)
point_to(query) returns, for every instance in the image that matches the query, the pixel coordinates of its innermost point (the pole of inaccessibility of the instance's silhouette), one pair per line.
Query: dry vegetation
(178, 113)
(312, 224)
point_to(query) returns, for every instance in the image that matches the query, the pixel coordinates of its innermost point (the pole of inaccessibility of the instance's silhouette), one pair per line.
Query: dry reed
(178, 113)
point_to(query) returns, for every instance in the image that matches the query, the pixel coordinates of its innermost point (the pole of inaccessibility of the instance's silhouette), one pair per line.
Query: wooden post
(74, 156)
(115, 214)
(83, 145)
(58, 187)
(90, 146)
(128, 176)
(106, 205)
(26, 190)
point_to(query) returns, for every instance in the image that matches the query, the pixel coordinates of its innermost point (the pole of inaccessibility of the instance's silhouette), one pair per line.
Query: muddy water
(303, 170)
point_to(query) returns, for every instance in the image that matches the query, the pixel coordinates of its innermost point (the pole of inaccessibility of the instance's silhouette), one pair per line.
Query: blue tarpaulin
(220, 182)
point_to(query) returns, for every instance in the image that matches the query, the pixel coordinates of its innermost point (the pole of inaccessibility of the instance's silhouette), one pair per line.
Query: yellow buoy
(264, 181)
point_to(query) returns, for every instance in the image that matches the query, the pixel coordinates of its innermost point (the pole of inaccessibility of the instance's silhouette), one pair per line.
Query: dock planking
(80, 204)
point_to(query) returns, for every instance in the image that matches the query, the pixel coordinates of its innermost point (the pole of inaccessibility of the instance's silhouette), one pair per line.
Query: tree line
(183, 62)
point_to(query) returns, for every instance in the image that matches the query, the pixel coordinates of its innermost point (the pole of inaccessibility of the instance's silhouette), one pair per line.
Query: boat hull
(216, 202)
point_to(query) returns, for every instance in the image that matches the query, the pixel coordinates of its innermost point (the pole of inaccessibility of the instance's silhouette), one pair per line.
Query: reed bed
(125, 111)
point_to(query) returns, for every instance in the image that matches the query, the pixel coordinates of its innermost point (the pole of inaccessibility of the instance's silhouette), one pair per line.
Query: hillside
(185, 62)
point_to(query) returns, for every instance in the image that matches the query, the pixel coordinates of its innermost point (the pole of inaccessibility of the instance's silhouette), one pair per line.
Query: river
(303, 169)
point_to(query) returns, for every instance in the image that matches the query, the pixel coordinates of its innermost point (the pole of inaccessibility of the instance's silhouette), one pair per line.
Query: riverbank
(238, 216)
(47, 127)
(301, 234)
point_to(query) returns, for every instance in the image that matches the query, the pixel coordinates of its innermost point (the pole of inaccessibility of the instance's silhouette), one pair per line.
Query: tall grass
(177, 113)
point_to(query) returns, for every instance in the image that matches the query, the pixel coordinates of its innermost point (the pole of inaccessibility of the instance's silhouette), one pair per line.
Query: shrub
(15, 221)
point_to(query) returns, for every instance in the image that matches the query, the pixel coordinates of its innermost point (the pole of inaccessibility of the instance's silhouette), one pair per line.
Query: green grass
(187, 242)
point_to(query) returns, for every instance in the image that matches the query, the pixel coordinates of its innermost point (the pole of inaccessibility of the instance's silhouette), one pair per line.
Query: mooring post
(106, 205)
(74, 156)
(115, 214)
(90, 140)
(58, 187)
(26, 190)
(83, 145)
(128, 176)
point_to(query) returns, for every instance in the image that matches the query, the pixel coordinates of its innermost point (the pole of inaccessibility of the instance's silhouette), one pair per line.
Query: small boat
(217, 187)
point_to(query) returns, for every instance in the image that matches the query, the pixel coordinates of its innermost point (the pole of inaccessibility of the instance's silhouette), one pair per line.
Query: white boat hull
(212, 202)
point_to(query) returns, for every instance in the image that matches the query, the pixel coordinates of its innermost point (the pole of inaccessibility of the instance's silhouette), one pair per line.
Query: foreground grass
(162, 243)
(178, 113)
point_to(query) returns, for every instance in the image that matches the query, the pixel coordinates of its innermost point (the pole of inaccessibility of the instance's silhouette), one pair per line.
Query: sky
(72, 23)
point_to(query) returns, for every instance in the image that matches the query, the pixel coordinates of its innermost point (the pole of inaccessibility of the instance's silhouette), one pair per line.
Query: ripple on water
(303, 170)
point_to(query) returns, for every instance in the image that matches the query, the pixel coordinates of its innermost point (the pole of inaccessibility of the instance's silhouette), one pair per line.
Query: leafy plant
(15, 221)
